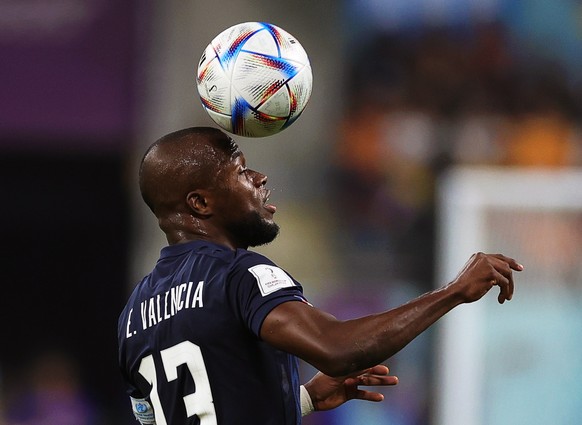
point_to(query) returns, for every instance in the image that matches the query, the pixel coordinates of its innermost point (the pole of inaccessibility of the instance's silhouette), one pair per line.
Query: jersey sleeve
(257, 286)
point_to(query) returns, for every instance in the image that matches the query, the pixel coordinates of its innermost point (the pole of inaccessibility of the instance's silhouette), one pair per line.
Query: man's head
(196, 182)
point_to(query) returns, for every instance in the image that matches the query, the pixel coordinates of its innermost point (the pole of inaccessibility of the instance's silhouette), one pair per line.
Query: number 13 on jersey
(199, 403)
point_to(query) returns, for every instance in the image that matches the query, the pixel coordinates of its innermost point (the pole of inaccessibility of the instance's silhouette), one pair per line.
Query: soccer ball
(254, 79)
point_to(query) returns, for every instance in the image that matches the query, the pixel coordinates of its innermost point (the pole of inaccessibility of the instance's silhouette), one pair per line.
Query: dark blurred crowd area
(66, 95)
(64, 254)
(423, 102)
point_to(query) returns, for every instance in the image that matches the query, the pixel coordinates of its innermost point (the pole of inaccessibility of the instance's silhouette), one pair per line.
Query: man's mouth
(269, 207)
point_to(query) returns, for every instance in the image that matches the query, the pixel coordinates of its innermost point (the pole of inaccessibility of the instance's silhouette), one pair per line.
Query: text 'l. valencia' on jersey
(189, 346)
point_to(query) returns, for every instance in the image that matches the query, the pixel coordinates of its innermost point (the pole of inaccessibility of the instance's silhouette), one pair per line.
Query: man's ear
(198, 202)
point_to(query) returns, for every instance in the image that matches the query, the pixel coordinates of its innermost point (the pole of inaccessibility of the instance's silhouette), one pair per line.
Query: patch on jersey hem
(143, 411)
(271, 278)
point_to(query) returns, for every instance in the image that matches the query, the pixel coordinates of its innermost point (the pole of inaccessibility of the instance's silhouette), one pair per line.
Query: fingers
(503, 276)
(369, 396)
(378, 370)
(375, 370)
(375, 376)
(376, 380)
(505, 291)
(509, 261)
(373, 380)
(506, 287)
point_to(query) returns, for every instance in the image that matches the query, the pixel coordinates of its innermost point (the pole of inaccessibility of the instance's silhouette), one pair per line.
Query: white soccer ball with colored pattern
(254, 79)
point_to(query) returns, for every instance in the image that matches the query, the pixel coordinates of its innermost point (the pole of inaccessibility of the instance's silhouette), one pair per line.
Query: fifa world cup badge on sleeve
(143, 411)
(270, 278)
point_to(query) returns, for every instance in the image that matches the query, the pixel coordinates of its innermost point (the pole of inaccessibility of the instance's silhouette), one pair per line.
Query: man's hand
(482, 272)
(328, 393)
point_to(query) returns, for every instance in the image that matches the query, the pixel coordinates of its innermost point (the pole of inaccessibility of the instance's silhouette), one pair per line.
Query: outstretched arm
(339, 348)
(328, 393)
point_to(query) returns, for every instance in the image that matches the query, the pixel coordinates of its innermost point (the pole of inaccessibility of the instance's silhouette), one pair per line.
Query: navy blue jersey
(189, 345)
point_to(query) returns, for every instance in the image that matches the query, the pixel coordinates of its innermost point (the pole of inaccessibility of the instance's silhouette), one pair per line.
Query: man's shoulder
(246, 258)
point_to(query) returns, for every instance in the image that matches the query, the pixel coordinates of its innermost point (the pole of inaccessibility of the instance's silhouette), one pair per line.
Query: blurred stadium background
(410, 99)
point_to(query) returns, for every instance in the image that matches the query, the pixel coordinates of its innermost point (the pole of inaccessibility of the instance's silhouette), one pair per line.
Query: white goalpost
(520, 363)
